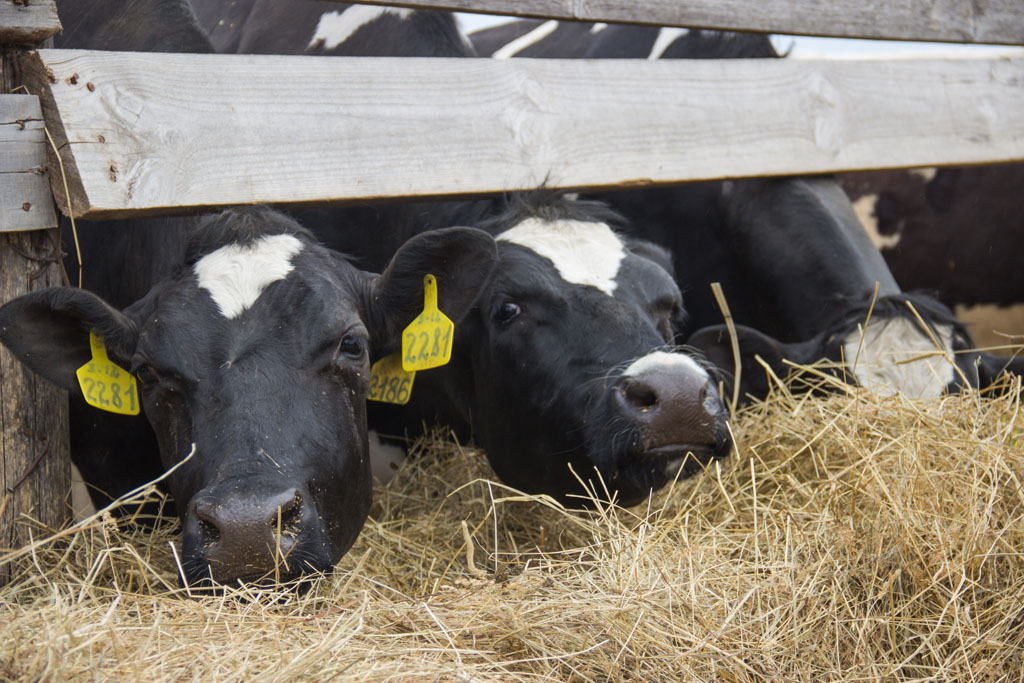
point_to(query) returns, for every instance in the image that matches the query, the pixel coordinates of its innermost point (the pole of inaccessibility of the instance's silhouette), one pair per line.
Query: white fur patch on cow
(81, 503)
(524, 41)
(583, 253)
(384, 458)
(896, 356)
(236, 275)
(666, 37)
(926, 174)
(664, 359)
(334, 28)
(865, 210)
(598, 27)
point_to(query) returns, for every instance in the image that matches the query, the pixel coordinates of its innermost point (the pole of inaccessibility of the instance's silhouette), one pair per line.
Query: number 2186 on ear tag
(389, 382)
(105, 385)
(427, 341)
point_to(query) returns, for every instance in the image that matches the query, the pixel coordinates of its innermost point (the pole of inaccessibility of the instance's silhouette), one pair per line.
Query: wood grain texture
(979, 21)
(35, 470)
(29, 21)
(157, 132)
(25, 200)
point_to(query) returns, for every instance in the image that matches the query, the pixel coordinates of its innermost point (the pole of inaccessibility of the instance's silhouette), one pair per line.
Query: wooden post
(35, 470)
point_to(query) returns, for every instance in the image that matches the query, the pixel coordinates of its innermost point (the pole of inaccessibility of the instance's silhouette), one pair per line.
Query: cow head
(257, 351)
(567, 364)
(898, 343)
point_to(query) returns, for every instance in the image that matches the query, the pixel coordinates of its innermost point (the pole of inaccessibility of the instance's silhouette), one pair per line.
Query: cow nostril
(206, 514)
(208, 531)
(711, 401)
(639, 395)
(288, 515)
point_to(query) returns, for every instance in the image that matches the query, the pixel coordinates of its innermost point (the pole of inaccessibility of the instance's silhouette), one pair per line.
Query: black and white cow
(566, 372)
(793, 260)
(567, 368)
(327, 28)
(257, 351)
(953, 231)
(251, 343)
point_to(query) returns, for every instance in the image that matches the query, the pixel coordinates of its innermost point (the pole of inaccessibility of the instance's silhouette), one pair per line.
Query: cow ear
(652, 252)
(716, 344)
(461, 259)
(48, 331)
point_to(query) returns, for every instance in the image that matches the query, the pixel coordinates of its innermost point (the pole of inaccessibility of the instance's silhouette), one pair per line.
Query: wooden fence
(146, 133)
(140, 134)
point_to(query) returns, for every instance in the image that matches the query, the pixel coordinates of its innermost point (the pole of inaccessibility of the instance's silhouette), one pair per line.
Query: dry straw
(850, 538)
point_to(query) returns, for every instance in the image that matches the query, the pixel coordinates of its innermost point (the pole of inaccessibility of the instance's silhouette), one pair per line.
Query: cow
(795, 265)
(952, 231)
(566, 372)
(251, 345)
(256, 352)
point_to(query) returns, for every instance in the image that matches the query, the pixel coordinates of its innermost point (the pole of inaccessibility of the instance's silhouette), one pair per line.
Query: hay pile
(850, 538)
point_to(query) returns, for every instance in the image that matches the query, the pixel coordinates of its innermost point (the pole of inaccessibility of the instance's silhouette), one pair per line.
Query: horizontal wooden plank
(147, 132)
(978, 21)
(28, 21)
(25, 200)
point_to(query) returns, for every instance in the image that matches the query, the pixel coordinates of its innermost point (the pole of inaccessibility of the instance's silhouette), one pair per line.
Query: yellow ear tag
(427, 341)
(389, 382)
(105, 385)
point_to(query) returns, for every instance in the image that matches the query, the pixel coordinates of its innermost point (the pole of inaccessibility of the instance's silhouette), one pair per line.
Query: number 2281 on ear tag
(106, 385)
(427, 341)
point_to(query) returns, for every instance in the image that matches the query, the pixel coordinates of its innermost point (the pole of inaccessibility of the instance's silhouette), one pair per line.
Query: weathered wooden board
(25, 200)
(35, 471)
(978, 21)
(149, 132)
(28, 21)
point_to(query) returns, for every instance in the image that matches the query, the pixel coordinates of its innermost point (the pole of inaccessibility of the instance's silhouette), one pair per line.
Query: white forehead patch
(664, 359)
(883, 368)
(583, 253)
(526, 40)
(666, 37)
(236, 275)
(334, 28)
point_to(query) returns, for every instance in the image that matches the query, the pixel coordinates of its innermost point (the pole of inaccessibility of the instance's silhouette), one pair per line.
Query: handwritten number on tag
(426, 342)
(105, 385)
(389, 382)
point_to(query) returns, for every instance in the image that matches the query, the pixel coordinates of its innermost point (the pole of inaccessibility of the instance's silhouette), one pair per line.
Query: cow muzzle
(676, 410)
(258, 530)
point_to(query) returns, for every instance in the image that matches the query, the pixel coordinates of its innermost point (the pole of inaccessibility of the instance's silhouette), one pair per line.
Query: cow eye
(352, 346)
(507, 312)
(146, 374)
